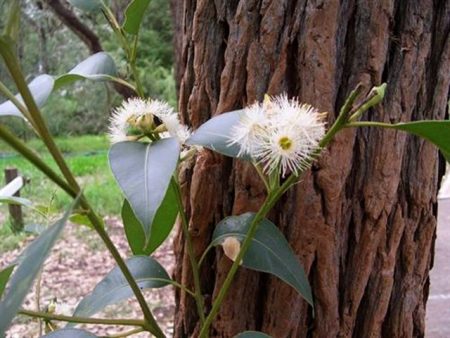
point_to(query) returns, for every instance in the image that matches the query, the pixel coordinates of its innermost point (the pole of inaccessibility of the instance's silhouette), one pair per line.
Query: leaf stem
(10, 96)
(369, 124)
(82, 320)
(190, 250)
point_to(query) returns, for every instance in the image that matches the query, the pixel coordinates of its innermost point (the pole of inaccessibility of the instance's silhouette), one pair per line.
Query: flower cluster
(279, 134)
(137, 117)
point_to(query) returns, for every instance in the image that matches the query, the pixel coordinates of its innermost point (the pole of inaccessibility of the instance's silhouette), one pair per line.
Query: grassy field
(86, 156)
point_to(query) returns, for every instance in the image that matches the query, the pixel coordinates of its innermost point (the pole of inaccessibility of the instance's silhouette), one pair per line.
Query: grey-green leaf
(269, 251)
(114, 288)
(69, 333)
(252, 334)
(87, 5)
(161, 227)
(97, 67)
(215, 134)
(4, 278)
(134, 15)
(41, 88)
(437, 132)
(29, 264)
(16, 201)
(143, 172)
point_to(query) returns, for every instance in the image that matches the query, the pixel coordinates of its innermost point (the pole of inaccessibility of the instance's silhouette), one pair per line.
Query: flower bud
(231, 247)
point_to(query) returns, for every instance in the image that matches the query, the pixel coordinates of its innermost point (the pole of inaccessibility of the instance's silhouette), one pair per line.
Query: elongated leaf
(87, 5)
(69, 333)
(143, 172)
(437, 132)
(12, 26)
(134, 14)
(114, 288)
(215, 134)
(97, 67)
(4, 278)
(133, 230)
(269, 251)
(161, 227)
(41, 88)
(16, 200)
(164, 221)
(29, 265)
(252, 334)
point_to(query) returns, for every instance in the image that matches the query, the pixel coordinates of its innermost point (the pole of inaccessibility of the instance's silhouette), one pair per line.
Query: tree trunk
(363, 220)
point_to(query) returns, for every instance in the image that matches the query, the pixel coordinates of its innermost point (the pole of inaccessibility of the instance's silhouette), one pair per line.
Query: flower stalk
(199, 301)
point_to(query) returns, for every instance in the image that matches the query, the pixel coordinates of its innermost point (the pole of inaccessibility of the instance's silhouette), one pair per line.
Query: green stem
(137, 79)
(265, 208)
(32, 157)
(82, 320)
(10, 96)
(369, 124)
(16, 73)
(199, 301)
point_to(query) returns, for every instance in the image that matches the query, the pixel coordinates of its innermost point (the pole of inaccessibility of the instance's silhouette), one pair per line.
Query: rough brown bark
(363, 220)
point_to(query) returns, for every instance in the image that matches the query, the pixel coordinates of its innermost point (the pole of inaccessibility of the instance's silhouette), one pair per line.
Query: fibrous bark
(363, 219)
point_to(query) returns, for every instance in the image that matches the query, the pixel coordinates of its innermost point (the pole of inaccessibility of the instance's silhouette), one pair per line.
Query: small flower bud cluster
(279, 134)
(137, 117)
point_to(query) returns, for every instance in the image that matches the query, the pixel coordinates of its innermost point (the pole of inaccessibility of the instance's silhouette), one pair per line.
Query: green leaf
(12, 26)
(114, 288)
(161, 227)
(97, 67)
(30, 263)
(69, 333)
(164, 220)
(41, 88)
(133, 230)
(269, 251)
(144, 171)
(87, 5)
(437, 132)
(134, 15)
(252, 334)
(4, 277)
(215, 134)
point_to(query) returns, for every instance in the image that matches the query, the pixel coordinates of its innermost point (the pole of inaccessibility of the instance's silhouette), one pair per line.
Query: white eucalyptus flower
(253, 122)
(279, 134)
(138, 114)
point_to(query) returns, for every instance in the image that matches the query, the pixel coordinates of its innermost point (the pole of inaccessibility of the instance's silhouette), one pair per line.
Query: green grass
(87, 160)
(79, 144)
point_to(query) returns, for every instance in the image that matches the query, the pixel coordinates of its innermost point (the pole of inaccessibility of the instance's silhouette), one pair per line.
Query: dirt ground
(76, 264)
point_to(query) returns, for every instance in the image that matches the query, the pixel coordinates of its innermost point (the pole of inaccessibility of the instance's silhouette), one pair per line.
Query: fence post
(15, 211)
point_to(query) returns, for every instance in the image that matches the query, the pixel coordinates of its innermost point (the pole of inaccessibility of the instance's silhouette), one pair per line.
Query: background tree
(363, 220)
